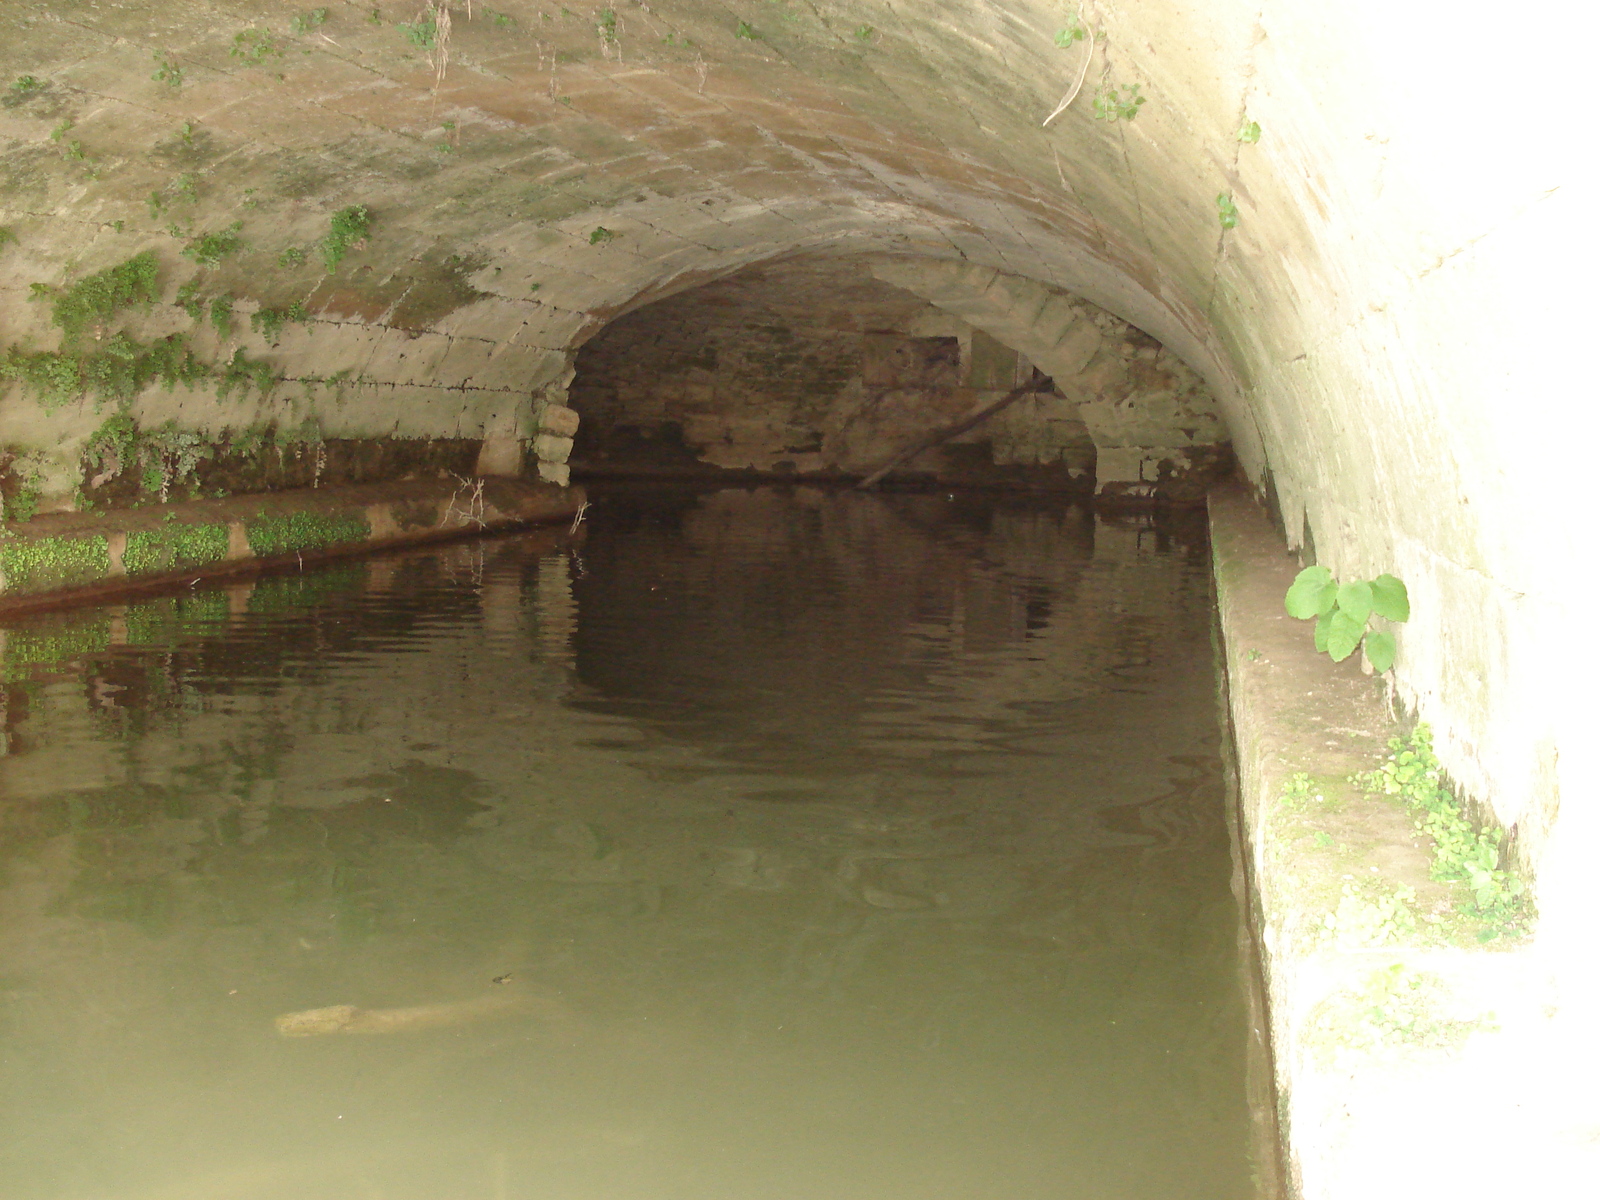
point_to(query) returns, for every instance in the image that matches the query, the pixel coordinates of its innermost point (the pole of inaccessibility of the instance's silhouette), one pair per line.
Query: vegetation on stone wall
(270, 535)
(173, 547)
(1343, 611)
(347, 229)
(1461, 852)
(42, 564)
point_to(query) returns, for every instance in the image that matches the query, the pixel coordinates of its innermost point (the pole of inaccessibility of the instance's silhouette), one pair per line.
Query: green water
(824, 845)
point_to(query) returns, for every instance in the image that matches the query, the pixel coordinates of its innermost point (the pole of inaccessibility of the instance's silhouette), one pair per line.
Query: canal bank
(78, 557)
(1421, 1042)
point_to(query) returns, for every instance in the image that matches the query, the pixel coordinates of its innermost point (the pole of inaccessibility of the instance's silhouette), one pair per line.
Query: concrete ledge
(80, 556)
(1410, 1058)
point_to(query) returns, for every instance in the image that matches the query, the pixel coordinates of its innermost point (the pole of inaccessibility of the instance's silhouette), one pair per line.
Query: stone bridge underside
(1377, 308)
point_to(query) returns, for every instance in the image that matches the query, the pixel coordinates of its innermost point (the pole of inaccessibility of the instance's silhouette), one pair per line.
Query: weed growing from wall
(209, 249)
(165, 457)
(167, 71)
(308, 22)
(1112, 105)
(348, 229)
(1227, 214)
(19, 500)
(242, 371)
(255, 46)
(599, 236)
(26, 86)
(269, 322)
(118, 371)
(96, 299)
(422, 33)
(1342, 612)
(1250, 132)
(1461, 853)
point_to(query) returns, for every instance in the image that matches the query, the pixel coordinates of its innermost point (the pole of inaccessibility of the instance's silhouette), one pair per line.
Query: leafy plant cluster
(164, 458)
(1113, 105)
(269, 322)
(173, 547)
(38, 563)
(1360, 922)
(1342, 612)
(1227, 211)
(269, 535)
(209, 249)
(255, 46)
(308, 21)
(1460, 852)
(423, 33)
(1074, 32)
(347, 229)
(167, 70)
(97, 298)
(118, 370)
(20, 500)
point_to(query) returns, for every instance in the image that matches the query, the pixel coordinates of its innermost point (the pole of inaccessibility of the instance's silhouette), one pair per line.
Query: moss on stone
(45, 564)
(177, 546)
(269, 535)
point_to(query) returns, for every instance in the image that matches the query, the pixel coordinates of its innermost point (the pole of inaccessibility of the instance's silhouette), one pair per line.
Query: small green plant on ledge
(747, 32)
(601, 235)
(1250, 132)
(1227, 212)
(1109, 105)
(1342, 611)
(1460, 852)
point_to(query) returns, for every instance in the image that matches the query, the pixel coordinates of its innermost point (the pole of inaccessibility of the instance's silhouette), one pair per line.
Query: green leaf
(1389, 599)
(1344, 635)
(1312, 593)
(1380, 650)
(1355, 601)
(1319, 637)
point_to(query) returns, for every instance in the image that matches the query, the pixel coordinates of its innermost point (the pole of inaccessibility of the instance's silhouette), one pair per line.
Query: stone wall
(816, 367)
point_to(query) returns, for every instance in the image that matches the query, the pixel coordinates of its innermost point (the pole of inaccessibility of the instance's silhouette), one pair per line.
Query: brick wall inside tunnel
(815, 367)
(1358, 282)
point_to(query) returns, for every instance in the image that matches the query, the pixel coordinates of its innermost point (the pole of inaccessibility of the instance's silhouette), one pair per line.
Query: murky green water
(835, 846)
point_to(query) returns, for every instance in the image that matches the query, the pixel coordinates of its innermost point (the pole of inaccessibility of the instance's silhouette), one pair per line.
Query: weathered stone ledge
(1410, 1059)
(81, 556)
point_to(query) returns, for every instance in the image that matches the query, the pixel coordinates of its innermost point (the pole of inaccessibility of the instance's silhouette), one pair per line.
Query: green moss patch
(49, 563)
(177, 546)
(304, 531)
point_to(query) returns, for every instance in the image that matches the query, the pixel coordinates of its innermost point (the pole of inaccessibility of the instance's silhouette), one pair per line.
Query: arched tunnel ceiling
(697, 138)
(1343, 283)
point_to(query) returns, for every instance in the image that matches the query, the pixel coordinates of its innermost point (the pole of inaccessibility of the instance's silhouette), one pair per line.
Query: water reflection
(764, 844)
